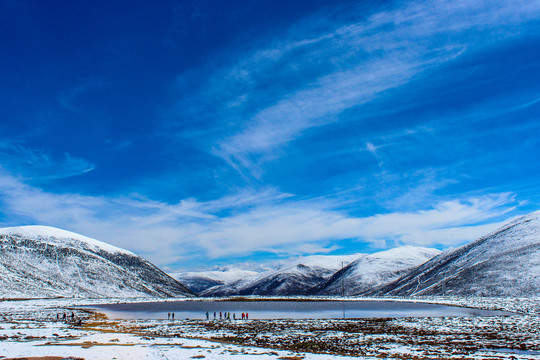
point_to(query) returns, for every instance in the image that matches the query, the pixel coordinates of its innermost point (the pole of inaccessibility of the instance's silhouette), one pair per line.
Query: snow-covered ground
(29, 328)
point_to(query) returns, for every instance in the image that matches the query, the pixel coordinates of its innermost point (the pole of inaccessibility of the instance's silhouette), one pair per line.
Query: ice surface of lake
(286, 309)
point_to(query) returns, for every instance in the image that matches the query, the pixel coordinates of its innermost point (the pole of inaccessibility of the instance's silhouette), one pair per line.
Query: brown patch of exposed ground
(44, 358)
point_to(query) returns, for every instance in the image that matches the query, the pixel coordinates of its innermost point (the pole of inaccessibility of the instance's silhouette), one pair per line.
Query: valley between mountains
(47, 272)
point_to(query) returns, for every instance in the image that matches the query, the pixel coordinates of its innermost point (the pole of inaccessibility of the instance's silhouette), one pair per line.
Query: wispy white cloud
(372, 149)
(163, 232)
(37, 163)
(526, 105)
(292, 226)
(269, 222)
(355, 63)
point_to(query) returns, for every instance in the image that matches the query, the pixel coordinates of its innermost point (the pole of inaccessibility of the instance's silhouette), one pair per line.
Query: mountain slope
(503, 263)
(370, 271)
(200, 281)
(293, 279)
(41, 261)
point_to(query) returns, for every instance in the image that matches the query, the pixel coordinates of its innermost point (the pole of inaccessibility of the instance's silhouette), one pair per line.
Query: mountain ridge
(294, 278)
(203, 280)
(505, 262)
(372, 270)
(319, 274)
(42, 261)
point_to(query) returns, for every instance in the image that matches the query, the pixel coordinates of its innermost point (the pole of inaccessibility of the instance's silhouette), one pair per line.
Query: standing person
(214, 315)
(207, 316)
(168, 316)
(172, 316)
(247, 316)
(234, 316)
(243, 316)
(220, 315)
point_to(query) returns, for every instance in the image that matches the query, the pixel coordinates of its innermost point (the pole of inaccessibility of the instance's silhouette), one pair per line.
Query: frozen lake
(286, 309)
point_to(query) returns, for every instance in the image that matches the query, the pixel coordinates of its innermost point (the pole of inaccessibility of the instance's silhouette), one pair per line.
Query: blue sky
(202, 133)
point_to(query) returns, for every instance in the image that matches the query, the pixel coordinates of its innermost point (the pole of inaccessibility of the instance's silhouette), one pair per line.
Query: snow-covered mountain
(202, 280)
(41, 261)
(503, 263)
(293, 279)
(370, 271)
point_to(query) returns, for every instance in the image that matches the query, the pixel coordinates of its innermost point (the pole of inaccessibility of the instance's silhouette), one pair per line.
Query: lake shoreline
(29, 329)
(234, 310)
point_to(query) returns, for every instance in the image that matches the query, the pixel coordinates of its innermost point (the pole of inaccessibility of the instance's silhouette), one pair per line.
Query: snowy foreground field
(28, 328)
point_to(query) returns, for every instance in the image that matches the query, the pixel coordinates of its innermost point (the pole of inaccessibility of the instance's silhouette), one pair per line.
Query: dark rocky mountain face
(202, 284)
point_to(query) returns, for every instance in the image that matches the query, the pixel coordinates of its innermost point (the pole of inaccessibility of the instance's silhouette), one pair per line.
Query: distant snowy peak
(55, 235)
(408, 253)
(333, 262)
(202, 280)
(370, 271)
(505, 262)
(225, 275)
(294, 278)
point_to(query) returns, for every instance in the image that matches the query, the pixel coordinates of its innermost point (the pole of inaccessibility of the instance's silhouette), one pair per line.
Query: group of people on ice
(69, 319)
(226, 316)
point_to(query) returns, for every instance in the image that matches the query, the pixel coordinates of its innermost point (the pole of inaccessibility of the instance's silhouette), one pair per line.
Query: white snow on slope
(503, 263)
(203, 280)
(55, 235)
(331, 262)
(225, 275)
(295, 278)
(40, 261)
(321, 275)
(370, 271)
